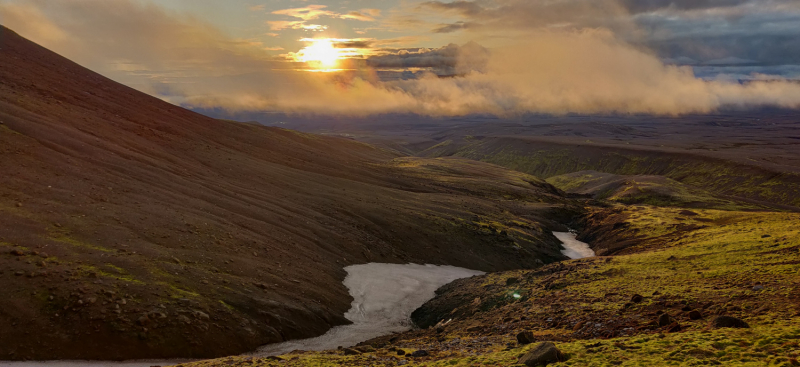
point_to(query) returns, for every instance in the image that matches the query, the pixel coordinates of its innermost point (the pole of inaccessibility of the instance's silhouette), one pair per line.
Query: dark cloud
(457, 26)
(448, 60)
(645, 6)
(466, 8)
(354, 44)
(765, 31)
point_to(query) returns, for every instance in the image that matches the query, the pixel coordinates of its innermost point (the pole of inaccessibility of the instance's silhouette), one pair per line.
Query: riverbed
(573, 248)
(384, 295)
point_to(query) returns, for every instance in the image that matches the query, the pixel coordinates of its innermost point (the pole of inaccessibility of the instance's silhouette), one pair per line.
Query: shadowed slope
(131, 228)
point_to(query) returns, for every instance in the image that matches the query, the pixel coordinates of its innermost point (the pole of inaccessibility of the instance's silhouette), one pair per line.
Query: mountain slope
(132, 228)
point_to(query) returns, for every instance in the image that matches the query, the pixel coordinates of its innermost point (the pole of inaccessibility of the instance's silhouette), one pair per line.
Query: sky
(441, 58)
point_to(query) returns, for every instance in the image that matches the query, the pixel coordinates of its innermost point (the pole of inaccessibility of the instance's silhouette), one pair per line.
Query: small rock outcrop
(525, 337)
(350, 352)
(420, 353)
(664, 320)
(541, 355)
(728, 322)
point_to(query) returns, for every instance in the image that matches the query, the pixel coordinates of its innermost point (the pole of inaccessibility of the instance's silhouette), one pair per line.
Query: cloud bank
(557, 70)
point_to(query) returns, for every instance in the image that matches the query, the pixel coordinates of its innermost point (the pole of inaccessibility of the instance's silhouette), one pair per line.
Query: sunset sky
(499, 56)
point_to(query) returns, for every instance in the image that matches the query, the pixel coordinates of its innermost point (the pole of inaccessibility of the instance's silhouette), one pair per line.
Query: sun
(321, 53)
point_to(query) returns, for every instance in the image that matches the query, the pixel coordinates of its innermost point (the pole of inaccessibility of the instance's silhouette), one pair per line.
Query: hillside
(644, 189)
(132, 228)
(758, 182)
(657, 303)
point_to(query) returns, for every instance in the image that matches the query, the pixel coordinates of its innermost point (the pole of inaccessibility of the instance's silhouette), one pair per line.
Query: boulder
(541, 355)
(637, 298)
(420, 353)
(350, 352)
(674, 327)
(525, 337)
(664, 320)
(728, 322)
(143, 320)
(695, 315)
(365, 349)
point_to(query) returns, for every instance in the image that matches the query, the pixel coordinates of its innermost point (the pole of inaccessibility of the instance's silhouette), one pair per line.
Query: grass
(715, 175)
(716, 262)
(63, 238)
(88, 271)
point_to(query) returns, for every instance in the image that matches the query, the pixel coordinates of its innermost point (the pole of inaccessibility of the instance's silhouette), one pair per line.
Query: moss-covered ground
(740, 264)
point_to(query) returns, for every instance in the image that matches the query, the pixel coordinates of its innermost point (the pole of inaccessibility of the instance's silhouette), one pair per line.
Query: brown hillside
(132, 228)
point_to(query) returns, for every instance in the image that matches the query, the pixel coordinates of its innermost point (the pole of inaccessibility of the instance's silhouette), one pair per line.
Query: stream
(573, 248)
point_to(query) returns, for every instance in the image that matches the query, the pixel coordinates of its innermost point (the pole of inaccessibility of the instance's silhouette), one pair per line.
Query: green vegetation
(64, 238)
(716, 175)
(706, 260)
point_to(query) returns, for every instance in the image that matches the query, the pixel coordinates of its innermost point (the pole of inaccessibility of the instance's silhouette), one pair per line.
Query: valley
(131, 228)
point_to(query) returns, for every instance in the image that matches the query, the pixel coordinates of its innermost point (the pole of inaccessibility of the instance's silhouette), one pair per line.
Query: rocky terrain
(699, 287)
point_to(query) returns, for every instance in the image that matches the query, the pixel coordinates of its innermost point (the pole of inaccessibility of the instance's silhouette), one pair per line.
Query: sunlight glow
(321, 54)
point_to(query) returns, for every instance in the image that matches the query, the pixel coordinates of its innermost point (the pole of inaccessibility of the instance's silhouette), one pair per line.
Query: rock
(674, 327)
(758, 287)
(475, 328)
(401, 352)
(664, 320)
(201, 315)
(184, 319)
(365, 349)
(728, 322)
(19, 205)
(525, 337)
(17, 252)
(695, 315)
(420, 353)
(541, 355)
(19, 273)
(637, 298)
(350, 352)
(143, 320)
(511, 281)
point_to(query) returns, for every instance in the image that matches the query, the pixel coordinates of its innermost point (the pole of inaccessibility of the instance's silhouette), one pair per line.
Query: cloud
(35, 23)
(310, 12)
(551, 72)
(313, 12)
(550, 69)
(767, 31)
(457, 26)
(448, 60)
(279, 25)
